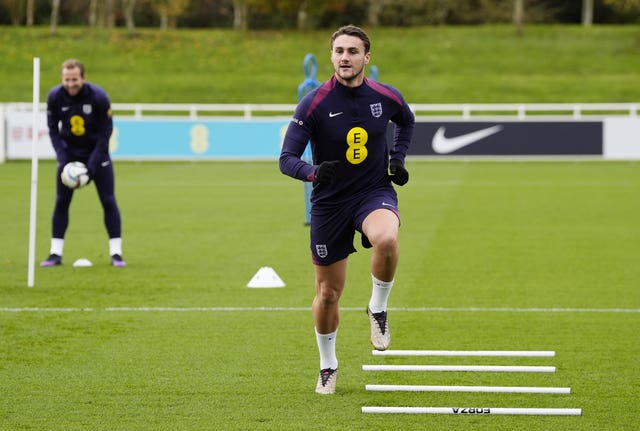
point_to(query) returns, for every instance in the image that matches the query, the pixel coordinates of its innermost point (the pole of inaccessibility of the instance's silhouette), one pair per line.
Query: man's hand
(399, 175)
(326, 172)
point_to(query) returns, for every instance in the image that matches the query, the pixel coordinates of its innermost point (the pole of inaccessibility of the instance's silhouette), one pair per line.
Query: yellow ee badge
(357, 140)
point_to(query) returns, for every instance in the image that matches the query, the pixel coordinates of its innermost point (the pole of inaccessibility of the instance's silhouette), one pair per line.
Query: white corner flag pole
(34, 172)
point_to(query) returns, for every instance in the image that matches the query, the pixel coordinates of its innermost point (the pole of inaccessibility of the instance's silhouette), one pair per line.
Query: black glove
(399, 175)
(326, 172)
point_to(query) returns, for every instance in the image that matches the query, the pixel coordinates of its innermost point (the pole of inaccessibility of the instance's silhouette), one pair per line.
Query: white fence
(621, 120)
(466, 111)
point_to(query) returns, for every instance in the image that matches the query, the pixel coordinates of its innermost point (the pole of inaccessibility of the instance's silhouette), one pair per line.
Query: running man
(346, 120)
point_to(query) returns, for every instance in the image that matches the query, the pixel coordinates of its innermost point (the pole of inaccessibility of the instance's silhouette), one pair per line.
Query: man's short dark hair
(72, 63)
(352, 30)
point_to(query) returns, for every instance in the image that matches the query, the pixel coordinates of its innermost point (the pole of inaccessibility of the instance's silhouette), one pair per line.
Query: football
(75, 175)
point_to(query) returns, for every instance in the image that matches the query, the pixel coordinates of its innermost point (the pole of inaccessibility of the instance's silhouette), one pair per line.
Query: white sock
(57, 245)
(115, 246)
(379, 295)
(327, 349)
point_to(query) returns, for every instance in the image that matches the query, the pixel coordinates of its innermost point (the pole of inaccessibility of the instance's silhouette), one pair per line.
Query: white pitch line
(203, 309)
(480, 368)
(516, 310)
(308, 309)
(520, 353)
(46, 310)
(492, 389)
(474, 411)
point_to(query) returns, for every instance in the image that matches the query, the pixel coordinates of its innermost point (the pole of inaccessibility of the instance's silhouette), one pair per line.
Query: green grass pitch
(495, 256)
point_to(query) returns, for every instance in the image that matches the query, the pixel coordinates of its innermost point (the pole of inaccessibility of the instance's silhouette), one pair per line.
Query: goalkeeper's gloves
(326, 172)
(399, 175)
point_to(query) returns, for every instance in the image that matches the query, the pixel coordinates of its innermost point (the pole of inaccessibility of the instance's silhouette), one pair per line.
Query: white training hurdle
(506, 353)
(458, 388)
(474, 411)
(476, 368)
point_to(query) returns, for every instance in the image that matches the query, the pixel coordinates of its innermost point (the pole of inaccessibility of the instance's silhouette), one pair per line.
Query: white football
(75, 175)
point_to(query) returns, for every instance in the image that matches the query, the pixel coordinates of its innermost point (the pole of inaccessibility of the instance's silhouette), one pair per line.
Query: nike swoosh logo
(443, 145)
(384, 204)
(65, 108)
(105, 164)
(332, 114)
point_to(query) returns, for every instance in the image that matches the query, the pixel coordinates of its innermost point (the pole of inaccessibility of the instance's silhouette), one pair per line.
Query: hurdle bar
(477, 368)
(493, 389)
(475, 411)
(509, 353)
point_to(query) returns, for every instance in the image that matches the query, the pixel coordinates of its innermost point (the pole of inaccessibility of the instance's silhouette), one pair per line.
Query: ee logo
(357, 139)
(77, 125)
(199, 139)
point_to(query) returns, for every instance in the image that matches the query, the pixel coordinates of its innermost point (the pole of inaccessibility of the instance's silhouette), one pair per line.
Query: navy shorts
(333, 227)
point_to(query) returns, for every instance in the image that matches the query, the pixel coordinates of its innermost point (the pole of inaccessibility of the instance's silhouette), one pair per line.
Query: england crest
(376, 109)
(321, 249)
(86, 109)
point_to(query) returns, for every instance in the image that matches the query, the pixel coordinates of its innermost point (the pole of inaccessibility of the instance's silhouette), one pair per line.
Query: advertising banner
(19, 136)
(228, 139)
(162, 138)
(622, 138)
(212, 139)
(507, 138)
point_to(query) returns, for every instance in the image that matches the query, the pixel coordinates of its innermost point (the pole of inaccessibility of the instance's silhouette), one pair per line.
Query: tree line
(310, 14)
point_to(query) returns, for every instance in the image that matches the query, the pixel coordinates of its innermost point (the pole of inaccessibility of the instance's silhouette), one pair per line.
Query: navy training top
(80, 126)
(348, 124)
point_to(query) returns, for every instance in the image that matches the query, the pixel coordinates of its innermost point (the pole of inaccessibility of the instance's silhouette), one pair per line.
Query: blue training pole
(310, 68)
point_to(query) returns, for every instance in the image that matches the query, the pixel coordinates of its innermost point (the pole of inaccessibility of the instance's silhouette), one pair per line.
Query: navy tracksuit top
(348, 124)
(80, 126)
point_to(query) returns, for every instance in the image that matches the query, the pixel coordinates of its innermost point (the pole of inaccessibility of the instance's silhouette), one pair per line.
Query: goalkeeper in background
(345, 120)
(80, 126)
